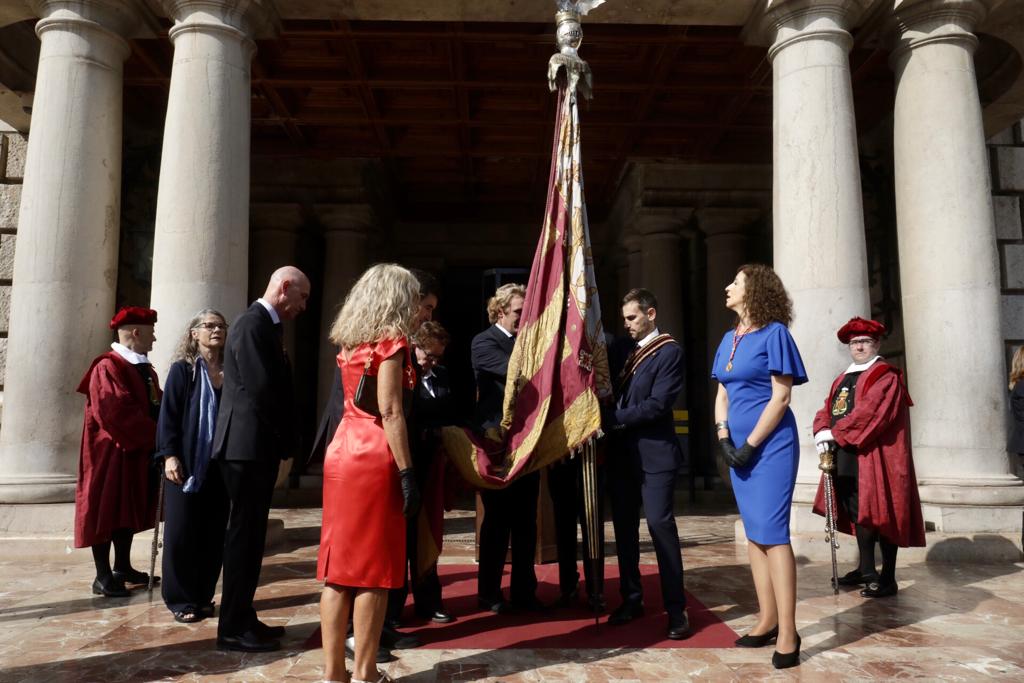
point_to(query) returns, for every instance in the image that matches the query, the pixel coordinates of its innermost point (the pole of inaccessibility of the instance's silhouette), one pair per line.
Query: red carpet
(477, 629)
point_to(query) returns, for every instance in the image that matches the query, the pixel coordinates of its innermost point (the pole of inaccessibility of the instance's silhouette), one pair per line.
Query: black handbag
(366, 391)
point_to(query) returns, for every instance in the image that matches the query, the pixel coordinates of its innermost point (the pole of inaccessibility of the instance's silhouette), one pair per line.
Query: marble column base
(36, 488)
(40, 531)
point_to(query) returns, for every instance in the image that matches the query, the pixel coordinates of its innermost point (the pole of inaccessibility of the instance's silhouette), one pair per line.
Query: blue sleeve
(488, 356)
(784, 356)
(169, 428)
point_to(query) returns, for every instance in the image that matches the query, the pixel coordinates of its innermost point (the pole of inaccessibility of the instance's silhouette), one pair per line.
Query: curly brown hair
(765, 298)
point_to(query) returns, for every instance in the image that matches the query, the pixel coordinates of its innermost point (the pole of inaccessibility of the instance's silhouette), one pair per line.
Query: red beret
(860, 327)
(133, 315)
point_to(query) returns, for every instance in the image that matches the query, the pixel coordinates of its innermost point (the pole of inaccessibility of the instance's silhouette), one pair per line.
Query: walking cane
(827, 465)
(156, 534)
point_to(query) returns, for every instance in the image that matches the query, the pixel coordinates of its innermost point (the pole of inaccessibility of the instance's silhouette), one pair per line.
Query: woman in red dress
(369, 482)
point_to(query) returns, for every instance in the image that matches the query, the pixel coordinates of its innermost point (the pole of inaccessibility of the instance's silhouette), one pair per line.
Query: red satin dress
(362, 537)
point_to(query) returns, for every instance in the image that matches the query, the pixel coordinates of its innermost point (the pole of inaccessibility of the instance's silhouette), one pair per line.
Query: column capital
(670, 220)
(248, 19)
(916, 23)
(118, 19)
(271, 216)
(717, 221)
(783, 22)
(354, 218)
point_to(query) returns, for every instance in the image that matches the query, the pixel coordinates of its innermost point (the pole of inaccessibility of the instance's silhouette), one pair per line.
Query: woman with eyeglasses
(195, 500)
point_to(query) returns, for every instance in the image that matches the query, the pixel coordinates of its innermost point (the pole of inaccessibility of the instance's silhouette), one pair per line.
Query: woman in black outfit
(1016, 443)
(195, 500)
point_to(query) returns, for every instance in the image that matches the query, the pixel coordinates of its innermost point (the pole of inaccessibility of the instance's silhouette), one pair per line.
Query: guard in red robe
(116, 495)
(865, 420)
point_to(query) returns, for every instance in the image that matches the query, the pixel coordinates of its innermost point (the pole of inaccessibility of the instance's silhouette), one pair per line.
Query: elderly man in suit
(255, 431)
(644, 460)
(510, 514)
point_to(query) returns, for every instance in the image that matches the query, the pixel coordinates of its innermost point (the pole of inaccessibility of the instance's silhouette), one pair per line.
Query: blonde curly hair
(382, 304)
(502, 300)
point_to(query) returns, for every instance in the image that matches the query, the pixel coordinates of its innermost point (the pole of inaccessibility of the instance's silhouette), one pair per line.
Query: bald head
(288, 291)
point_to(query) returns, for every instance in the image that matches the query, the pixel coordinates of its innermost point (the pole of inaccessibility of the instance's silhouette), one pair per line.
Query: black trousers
(194, 525)
(426, 590)
(510, 515)
(565, 484)
(629, 488)
(250, 486)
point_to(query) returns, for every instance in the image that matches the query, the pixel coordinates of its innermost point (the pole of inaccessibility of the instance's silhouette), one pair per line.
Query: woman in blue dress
(756, 366)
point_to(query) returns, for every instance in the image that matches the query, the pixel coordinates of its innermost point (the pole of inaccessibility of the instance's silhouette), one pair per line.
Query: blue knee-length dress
(764, 487)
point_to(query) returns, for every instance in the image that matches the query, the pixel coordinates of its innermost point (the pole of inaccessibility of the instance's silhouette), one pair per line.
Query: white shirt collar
(854, 367)
(506, 332)
(647, 340)
(430, 373)
(129, 355)
(270, 309)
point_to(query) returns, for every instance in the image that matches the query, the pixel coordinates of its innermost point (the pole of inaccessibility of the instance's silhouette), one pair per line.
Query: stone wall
(12, 168)
(1007, 149)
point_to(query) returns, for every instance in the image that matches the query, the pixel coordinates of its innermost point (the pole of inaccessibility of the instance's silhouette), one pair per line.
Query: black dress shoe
(785, 661)
(247, 642)
(625, 613)
(855, 578)
(442, 616)
(567, 599)
(134, 576)
(268, 632)
(758, 641)
(396, 640)
(496, 605)
(110, 587)
(393, 624)
(597, 604)
(879, 590)
(679, 630)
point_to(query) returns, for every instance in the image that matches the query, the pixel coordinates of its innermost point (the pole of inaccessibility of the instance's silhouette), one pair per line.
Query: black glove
(728, 450)
(410, 492)
(608, 417)
(742, 455)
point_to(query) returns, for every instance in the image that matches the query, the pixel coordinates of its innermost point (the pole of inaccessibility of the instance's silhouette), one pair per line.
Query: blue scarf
(204, 434)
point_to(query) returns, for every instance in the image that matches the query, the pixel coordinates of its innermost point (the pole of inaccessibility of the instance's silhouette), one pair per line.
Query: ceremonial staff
(827, 465)
(156, 533)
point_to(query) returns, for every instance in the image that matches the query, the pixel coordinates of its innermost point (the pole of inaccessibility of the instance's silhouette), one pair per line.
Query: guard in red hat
(116, 496)
(865, 420)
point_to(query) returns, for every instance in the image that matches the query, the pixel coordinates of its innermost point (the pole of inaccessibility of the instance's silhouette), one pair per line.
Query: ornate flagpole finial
(568, 37)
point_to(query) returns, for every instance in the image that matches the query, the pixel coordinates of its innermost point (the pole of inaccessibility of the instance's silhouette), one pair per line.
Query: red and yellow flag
(559, 368)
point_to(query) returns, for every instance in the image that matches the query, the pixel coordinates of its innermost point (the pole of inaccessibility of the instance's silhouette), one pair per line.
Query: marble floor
(948, 622)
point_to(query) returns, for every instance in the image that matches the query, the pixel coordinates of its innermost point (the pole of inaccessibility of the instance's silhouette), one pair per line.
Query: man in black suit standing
(644, 460)
(510, 514)
(255, 431)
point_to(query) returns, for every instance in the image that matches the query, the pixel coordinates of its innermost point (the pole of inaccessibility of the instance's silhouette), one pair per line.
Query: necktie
(429, 382)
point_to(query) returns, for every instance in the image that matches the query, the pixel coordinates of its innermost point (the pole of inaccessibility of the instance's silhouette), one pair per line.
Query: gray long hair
(188, 348)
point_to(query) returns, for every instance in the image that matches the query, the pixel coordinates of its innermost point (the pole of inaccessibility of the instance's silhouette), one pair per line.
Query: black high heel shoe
(758, 641)
(785, 661)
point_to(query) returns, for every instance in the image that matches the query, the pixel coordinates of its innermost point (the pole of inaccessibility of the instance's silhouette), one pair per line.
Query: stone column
(201, 247)
(662, 272)
(634, 264)
(274, 234)
(949, 273)
(817, 213)
(345, 231)
(726, 242)
(65, 266)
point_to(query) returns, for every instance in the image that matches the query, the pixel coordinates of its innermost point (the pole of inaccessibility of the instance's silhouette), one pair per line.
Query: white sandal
(384, 678)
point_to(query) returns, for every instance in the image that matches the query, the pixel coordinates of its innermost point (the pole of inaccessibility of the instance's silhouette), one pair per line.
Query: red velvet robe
(118, 439)
(878, 430)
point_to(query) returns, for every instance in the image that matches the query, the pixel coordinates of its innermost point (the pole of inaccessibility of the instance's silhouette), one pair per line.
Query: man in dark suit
(510, 514)
(255, 431)
(644, 460)
(433, 407)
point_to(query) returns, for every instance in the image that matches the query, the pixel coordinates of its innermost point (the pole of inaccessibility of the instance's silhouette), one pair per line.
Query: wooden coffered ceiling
(461, 116)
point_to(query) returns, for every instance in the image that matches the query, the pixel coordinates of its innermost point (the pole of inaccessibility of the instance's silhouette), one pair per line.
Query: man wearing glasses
(865, 421)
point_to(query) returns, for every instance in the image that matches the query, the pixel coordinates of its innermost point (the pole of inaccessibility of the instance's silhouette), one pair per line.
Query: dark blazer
(334, 410)
(1016, 443)
(179, 416)
(490, 352)
(642, 418)
(255, 421)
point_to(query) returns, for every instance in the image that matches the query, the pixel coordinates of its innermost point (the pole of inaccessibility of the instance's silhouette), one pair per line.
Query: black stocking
(122, 549)
(888, 561)
(101, 557)
(866, 544)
